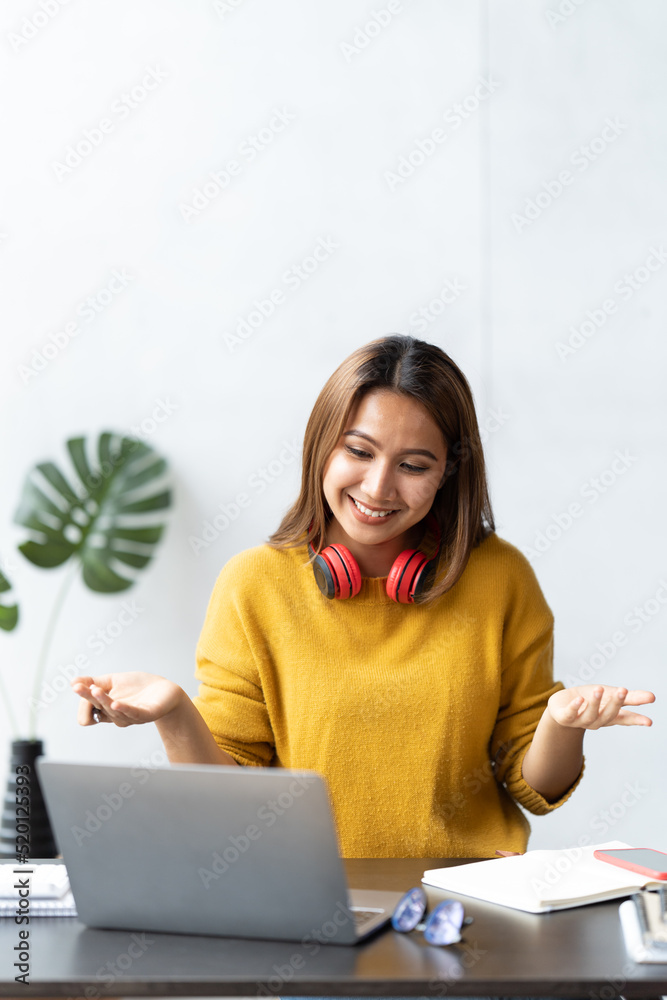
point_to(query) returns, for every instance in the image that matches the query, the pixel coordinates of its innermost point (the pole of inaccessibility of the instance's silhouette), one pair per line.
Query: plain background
(506, 262)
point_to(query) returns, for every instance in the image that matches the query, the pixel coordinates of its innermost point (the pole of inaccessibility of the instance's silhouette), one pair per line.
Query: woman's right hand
(126, 699)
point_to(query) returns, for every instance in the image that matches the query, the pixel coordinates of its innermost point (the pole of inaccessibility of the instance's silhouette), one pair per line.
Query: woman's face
(391, 457)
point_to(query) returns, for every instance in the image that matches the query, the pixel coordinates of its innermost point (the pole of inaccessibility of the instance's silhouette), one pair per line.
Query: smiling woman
(394, 429)
(385, 636)
(380, 487)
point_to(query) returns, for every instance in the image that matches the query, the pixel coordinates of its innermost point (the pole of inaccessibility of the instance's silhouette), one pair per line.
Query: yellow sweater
(404, 709)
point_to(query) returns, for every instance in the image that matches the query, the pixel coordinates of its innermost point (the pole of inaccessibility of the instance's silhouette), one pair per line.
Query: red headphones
(338, 575)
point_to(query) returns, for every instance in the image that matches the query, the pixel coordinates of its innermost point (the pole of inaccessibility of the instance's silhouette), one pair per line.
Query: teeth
(371, 513)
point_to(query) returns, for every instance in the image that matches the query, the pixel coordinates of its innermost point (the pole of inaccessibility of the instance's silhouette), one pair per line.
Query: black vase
(26, 831)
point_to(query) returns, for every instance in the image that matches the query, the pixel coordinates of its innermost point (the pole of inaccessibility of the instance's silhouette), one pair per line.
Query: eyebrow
(407, 451)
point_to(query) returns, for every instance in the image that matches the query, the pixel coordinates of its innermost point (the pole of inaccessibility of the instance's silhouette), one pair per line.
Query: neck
(375, 560)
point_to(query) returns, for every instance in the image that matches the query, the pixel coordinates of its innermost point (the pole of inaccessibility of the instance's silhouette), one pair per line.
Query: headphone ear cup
(337, 572)
(405, 575)
(424, 579)
(324, 577)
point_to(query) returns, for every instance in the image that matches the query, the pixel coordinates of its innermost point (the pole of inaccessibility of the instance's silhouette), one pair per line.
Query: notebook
(41, 890)
(207, 849)
(541, 881)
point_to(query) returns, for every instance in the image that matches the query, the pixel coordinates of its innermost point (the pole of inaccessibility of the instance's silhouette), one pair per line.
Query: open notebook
(541, 881)
(47, 888)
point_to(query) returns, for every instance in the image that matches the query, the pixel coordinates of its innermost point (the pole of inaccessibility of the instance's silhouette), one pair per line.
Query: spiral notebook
(35, 890)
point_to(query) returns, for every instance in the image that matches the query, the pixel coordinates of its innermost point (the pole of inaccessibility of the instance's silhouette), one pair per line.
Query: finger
(90, 695)
(119, 712)
(105, 681)
(631, 719)
(105, 701)
(590, 710)
(611, 707)
(568, 713)
(83, 687)
(639, 697)
(85, 713)
(88, 706)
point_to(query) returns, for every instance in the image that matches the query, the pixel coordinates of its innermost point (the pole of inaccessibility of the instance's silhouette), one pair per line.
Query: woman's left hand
(592, 706)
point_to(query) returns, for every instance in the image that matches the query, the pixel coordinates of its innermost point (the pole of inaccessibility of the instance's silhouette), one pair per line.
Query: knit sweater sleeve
(231, 698)
(527, 684)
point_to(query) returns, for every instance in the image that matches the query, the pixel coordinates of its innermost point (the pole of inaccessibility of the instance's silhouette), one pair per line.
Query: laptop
(248, 852)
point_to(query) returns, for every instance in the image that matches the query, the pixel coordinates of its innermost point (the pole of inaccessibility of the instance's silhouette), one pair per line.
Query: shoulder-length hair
(423, 372)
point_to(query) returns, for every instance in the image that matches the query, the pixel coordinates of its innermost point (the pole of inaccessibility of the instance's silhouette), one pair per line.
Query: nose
(379, 483)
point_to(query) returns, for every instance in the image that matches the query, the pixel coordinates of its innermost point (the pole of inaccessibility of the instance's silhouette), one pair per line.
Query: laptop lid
(205, 849)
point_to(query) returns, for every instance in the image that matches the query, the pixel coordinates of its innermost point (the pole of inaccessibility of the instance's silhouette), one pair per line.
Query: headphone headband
(337, 573)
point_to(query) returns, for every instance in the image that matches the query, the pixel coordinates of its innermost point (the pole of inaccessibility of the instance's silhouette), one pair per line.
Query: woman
(423, 688)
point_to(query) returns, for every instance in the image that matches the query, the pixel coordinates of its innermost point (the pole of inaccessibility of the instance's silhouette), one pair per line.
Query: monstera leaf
(106, 516)
(9, 613)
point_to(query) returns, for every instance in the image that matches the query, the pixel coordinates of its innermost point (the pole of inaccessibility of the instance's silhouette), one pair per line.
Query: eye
(364, 454)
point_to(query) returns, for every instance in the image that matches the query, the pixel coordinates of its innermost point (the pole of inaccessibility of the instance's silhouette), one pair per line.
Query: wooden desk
(571, 953)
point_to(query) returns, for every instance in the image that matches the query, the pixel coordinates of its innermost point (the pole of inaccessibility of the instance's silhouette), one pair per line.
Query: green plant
(9, 613)
(9, 616)
(103, 520)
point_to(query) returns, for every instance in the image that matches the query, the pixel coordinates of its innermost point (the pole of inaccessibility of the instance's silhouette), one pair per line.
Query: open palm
(125, 699)
(592, 706)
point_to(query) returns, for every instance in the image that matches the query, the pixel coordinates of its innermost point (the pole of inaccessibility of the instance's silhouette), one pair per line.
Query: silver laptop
(247, 852)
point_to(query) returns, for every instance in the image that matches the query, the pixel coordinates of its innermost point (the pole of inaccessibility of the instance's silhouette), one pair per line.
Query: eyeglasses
(443, 925)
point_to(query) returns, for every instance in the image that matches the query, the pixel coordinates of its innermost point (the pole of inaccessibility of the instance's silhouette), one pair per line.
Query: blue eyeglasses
(443, 925)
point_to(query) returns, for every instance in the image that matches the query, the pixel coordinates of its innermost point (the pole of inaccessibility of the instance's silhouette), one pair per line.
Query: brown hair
(424, 372)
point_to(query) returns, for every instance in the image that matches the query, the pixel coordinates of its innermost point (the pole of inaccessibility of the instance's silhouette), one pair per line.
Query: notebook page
(538, 880)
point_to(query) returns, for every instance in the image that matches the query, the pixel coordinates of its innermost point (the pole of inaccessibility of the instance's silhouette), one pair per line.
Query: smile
(368, 511)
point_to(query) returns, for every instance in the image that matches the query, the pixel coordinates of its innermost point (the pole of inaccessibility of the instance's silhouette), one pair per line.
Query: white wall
(220, 72)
